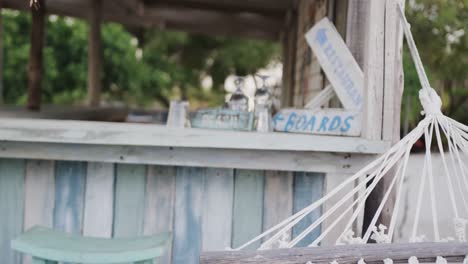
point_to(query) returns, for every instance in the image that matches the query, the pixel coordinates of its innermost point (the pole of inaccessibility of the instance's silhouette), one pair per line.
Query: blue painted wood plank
(39, 193)
(39, 196)
(188, 215)
(99, 200)
(11, 206)
(308, 188)
(129, 200)
(159, 204)
(217, 209)
(248, 206)
(278, 198)
(70, 177)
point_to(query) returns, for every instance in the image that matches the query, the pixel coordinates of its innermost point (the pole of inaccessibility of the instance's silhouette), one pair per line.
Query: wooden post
(373, 95)
(384, 87)
(394, 76)
(374, 71)
(393, 92)
(356, 34)
(94, 53)
(356, 28)
(1, 56)
(289, 38)
(35, 67)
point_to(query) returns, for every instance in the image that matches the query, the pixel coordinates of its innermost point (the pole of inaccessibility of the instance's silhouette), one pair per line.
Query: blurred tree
(440, 29)
(165, 65)
(187, 59)
(16, 47)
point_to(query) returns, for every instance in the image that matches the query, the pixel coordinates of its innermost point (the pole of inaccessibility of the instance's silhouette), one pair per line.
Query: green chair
(48, 246)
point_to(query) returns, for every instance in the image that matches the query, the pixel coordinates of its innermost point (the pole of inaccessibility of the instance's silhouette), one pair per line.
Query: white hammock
(435, 124)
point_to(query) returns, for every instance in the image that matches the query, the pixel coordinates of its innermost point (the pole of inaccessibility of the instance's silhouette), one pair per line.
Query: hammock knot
(388, 261)
(413, 260)
(378, 234)
(430, 101)
(349, 239)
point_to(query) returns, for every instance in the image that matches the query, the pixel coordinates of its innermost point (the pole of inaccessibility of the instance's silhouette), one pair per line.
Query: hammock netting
(441, 133)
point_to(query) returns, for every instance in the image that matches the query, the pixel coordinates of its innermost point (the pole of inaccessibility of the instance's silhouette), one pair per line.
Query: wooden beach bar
(212, 189)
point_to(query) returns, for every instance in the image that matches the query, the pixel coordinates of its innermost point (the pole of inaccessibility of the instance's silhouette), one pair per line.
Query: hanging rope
(413, 49)
(435, 124)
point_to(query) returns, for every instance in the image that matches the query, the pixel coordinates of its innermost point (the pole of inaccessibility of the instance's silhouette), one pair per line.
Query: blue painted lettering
(340, 71)
(290, 123)
(330, 52)
(277, 118)
(347, 124)
(311, 124)
(335, 123)
(321, 36)
(323, 124)
(301, 122)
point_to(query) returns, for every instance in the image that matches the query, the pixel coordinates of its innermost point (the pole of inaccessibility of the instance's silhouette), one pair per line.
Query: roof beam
(136, 7)
(218, 23)
(267, 9)
(185, 19)
(35, 65)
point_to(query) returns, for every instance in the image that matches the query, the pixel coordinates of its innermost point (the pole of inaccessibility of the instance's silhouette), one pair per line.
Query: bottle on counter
(263, 120)
(239, 101)
(262, 95)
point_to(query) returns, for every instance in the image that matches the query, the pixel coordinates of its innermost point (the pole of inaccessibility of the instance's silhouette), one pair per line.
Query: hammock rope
(362, 184)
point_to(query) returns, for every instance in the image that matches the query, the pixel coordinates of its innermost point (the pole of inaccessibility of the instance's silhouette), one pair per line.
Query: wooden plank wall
(206, 208)
(308, 77)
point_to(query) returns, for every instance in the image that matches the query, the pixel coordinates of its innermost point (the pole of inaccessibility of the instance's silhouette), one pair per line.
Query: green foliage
(16, 53)
(182, 60)
(440, 29)
(165, 65)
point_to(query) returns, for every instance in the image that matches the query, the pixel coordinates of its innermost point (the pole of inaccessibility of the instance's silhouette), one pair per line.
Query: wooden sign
(224, 119)
(453, 252)
(338, 63)
(318, 121)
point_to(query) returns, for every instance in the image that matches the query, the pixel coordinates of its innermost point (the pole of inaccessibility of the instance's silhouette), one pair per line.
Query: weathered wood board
(11, 206)
(217, 209)
(278, 198)
(248, 205)
(129, 205)
(39, 196)
(85, 135)
(206, 208)
(70, 177)
(318, 121)
(338, 63)
(371, 253)
(159, 203)
(39, 193)
(332, 180)
(188, 215)
(308, 188)
(224, 119)
(99, 200)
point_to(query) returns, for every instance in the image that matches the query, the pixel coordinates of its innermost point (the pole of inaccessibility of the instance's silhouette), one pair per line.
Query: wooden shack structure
(212, 189)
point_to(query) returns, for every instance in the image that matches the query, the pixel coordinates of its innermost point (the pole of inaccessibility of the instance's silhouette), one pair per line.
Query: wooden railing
(370, 253)
(162, 145)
